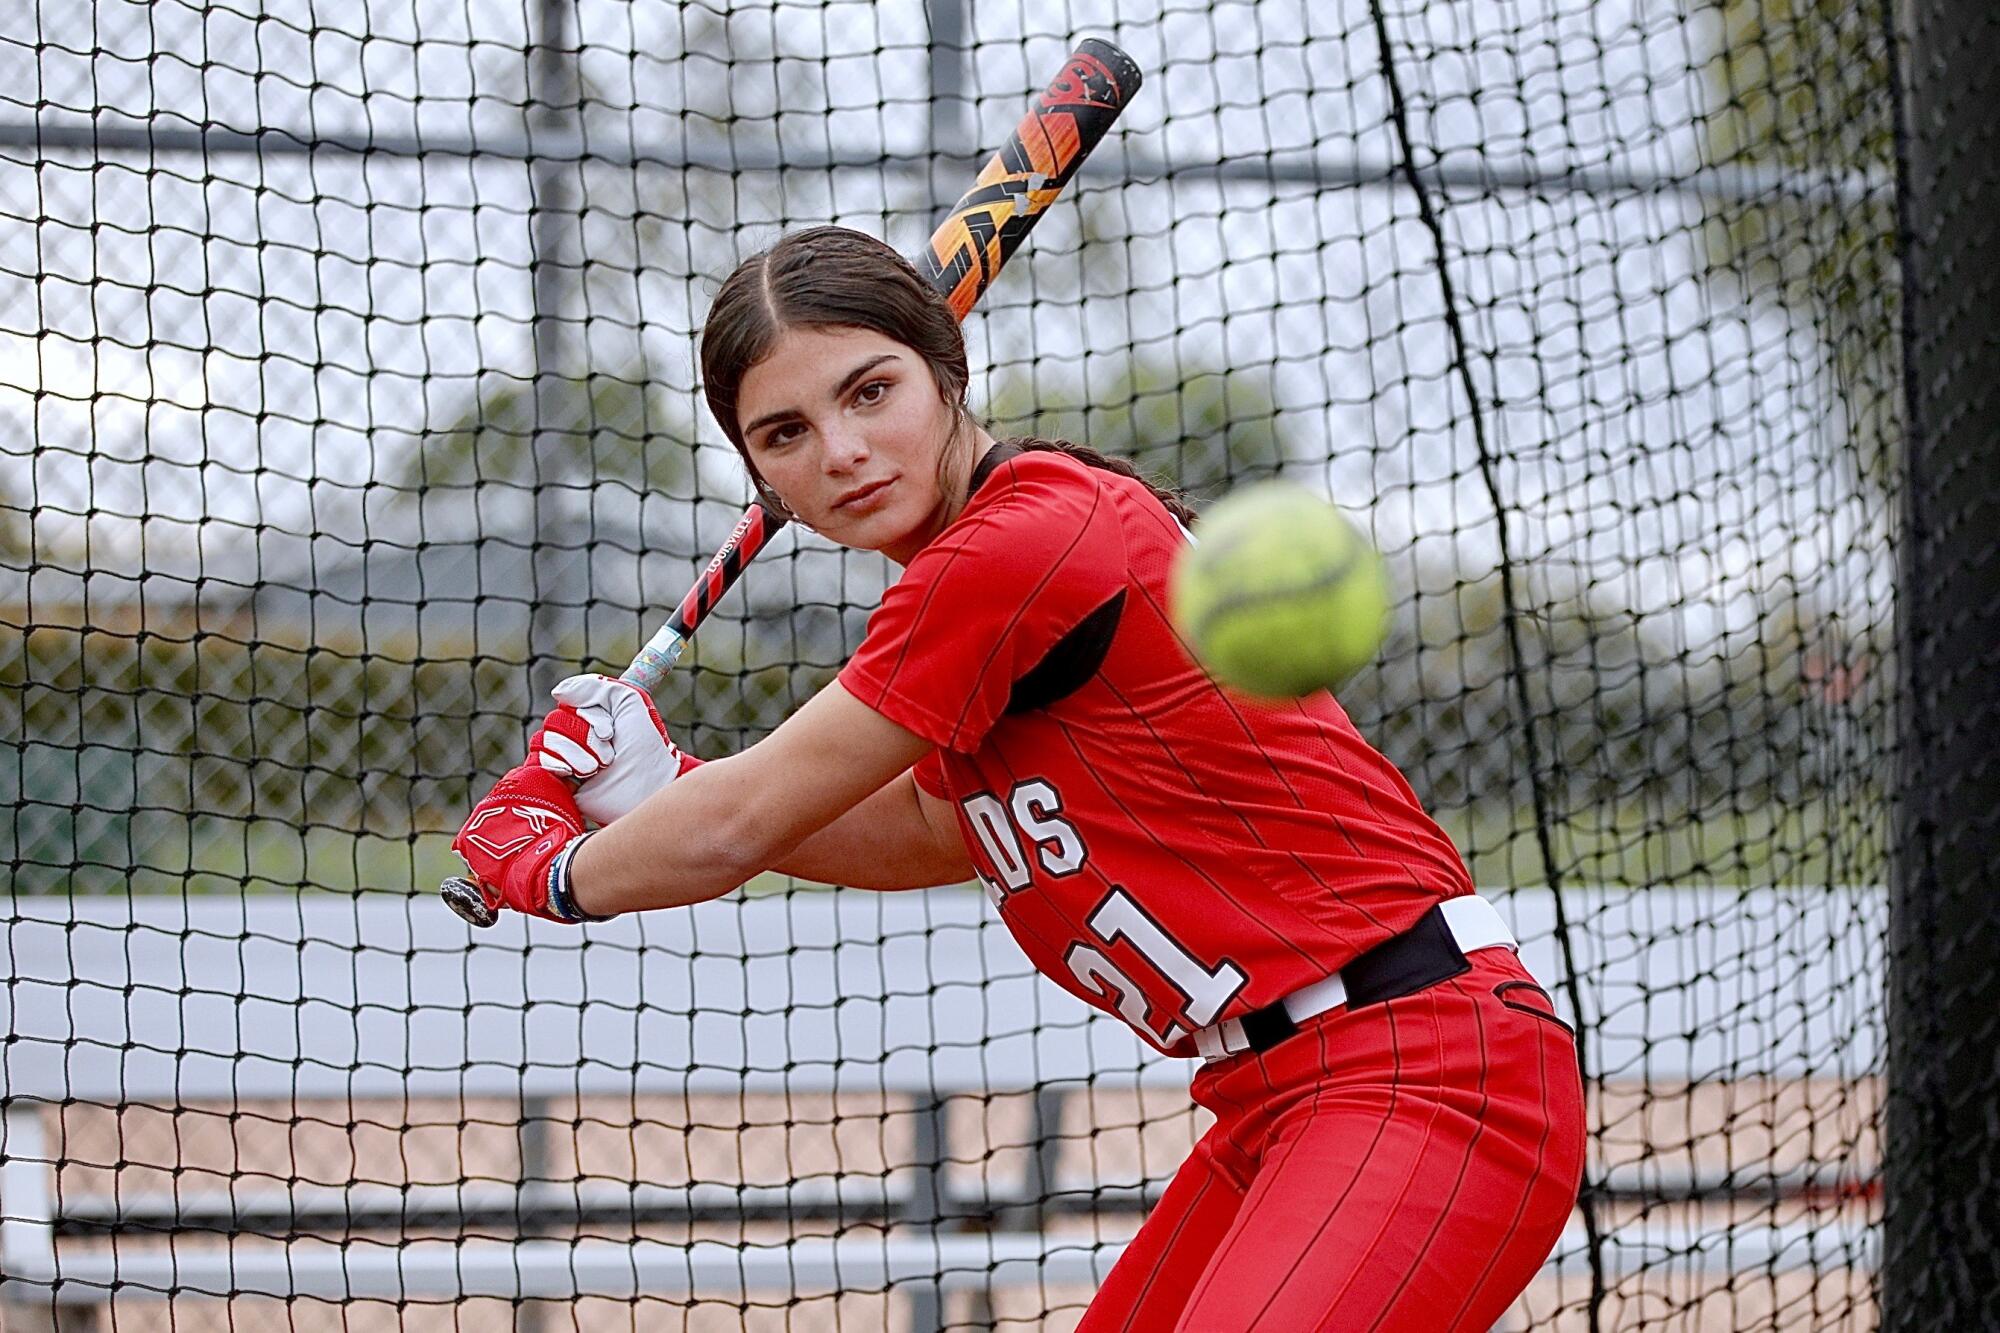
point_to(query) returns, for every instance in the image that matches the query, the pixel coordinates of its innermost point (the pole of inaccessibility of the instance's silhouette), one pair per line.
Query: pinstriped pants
(1405, 1168)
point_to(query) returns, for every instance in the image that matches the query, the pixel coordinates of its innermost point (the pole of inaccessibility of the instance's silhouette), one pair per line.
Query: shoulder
(1018, 480)
(1028, 504)
(1036, 551)
(1034, 519)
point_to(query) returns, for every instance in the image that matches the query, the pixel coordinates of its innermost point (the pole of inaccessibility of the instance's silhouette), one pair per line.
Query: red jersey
(1169, 851)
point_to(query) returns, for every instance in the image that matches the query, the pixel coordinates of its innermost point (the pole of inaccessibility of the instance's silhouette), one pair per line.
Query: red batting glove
(515, 838)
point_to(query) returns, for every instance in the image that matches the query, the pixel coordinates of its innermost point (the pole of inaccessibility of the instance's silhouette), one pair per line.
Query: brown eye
(872, 392)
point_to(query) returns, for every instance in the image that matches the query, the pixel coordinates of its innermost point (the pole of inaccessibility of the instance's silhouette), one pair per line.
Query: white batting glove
(606, 736)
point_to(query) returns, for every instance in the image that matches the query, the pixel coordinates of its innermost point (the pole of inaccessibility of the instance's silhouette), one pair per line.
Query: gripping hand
(517, 843)
(606, 736)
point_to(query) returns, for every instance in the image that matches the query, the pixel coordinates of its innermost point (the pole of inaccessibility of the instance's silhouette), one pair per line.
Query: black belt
(1404, 964)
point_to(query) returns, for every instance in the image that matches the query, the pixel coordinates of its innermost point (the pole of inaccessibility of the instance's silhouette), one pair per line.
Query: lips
(862, 494)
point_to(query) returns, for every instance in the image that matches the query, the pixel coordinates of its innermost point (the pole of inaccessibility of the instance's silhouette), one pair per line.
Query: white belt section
(1474, 923)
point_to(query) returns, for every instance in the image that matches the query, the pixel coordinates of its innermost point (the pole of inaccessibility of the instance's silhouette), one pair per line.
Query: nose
(844, 448)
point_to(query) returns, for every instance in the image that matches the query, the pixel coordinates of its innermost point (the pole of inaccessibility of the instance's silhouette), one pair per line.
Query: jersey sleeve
(928, 774)
(1037, 550)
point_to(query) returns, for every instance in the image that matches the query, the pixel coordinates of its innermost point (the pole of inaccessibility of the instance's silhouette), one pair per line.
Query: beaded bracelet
(562, 895)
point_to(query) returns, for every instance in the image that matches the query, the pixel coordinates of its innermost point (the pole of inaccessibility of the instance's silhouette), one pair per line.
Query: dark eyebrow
(847, 382)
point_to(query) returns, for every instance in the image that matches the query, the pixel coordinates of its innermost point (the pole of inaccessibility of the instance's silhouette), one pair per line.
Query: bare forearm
(809, 798)
(883, 843)
(685, 844)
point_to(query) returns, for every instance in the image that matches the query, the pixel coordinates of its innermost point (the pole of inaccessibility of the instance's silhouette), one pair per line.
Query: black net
(346, 403)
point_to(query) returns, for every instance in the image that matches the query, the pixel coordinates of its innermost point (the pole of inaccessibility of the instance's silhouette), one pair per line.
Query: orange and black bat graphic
(1029, 172)
(965, 254)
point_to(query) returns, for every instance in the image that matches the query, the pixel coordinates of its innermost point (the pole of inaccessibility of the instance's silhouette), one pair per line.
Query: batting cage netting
(348, 401)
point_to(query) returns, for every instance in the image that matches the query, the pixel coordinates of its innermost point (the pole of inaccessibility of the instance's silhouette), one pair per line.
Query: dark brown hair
(833, 277)
(1170, 498)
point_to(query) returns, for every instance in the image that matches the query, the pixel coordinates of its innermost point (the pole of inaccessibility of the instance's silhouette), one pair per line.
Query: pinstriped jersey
(1167, 850)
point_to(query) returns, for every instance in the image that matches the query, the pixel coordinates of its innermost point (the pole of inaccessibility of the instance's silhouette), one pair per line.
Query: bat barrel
(1020, 181)
(1123, 66)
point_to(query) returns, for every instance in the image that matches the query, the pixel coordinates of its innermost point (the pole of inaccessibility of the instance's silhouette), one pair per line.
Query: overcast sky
(214, 355)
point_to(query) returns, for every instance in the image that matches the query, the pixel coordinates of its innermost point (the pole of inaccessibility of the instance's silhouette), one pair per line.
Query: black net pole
(1942, 1147)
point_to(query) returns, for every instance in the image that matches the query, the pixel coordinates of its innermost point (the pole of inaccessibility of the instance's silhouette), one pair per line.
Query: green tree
(1801, 88)
(16, 543)
(1659, 761)
(1189, 424)
(147, 761)
(628, 430)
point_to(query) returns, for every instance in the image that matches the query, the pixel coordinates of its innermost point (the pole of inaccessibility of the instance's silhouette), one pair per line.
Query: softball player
(1398, 1130)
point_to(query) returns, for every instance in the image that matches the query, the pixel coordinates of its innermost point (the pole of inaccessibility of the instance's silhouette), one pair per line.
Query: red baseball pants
(1405, 1168)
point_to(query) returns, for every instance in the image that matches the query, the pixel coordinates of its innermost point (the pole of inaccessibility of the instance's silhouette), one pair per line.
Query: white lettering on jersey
(996, 837)
(1100, 976)
(1034, 804)
(1118, 916)
(1034, 811)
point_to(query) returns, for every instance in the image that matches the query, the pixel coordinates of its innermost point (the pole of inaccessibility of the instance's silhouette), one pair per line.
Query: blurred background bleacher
(229, 1102)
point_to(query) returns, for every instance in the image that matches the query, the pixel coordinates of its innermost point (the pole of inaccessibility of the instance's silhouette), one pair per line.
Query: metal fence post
(27, 1221)
(535, 1168)
(560, 400)
(925, 1209)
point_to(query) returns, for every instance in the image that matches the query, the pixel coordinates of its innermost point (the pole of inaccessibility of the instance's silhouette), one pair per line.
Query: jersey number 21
(1034, 808)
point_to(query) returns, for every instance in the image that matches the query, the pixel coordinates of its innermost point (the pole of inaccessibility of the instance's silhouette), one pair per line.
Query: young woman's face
(847, 426)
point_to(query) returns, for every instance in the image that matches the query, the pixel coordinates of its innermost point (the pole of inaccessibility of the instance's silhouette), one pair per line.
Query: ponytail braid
(1174, 500)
